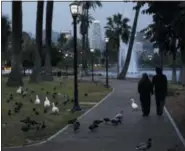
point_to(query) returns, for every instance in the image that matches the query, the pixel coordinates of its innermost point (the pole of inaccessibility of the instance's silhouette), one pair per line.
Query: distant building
(143, 46)
(68, 34)
(96, 41)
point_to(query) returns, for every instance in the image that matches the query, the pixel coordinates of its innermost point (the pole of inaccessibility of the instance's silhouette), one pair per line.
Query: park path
(125, 137)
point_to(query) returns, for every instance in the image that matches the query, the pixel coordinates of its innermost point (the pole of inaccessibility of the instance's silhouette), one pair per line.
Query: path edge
(64, 128)
(172, 121)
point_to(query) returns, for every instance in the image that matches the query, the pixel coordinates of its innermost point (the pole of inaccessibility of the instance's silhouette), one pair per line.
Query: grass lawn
(176, 106)
(11, 126)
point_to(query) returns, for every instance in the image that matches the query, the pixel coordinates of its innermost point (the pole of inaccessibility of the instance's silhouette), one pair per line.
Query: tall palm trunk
(47, 66)
(123, 73)
(182, 72)
(15, 77)
(84, 41)
(161, 58)
(36, 73)
(174, 72)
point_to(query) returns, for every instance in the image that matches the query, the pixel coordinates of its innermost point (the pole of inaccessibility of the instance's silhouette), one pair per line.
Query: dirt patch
(176, 106)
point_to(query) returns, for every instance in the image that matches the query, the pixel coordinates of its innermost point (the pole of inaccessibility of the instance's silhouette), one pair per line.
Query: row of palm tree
(85, 20)
(15, 77)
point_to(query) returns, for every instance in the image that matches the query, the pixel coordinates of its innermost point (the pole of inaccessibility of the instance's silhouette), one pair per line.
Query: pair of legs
(160, 102)
(145, 104)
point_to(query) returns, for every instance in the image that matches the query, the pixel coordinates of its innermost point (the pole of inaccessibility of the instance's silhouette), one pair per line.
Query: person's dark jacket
(160, 84)
(145, 89)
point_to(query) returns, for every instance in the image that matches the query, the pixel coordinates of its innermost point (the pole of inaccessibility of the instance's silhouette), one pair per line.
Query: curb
(179, 134)
(64, 128)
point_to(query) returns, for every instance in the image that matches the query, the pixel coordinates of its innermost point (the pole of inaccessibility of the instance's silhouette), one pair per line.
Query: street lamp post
(92, 51)
(75, 11)
(106, 60)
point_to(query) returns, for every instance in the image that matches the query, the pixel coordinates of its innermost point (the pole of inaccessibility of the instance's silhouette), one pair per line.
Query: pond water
(167, 72)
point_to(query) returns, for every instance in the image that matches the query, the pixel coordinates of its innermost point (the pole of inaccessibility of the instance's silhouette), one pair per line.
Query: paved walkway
(125, 137)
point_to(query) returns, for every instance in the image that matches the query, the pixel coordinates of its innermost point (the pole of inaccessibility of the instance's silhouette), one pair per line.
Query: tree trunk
(47, 66)
(36, 72)
(123, 73)
(118, 68)
(182, 78)
(174, 75)
(161, 58)
(83, 53)
(15, 77)
(85, 47)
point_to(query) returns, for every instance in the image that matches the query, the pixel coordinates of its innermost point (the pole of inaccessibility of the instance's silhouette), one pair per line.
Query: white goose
(54, 108)
(46, 102)
(19, 90)
(37, 101)
(134, 105)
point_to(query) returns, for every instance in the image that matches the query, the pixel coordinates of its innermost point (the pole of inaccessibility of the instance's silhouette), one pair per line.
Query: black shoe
(159, 114)
(144, 115)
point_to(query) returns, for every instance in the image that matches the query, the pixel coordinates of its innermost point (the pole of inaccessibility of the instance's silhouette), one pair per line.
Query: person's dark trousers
(160, 102)
(145, 104)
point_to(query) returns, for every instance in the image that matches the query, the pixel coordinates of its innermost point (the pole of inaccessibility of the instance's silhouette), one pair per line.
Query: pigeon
(145, 146)
(97, 122)
(119, 115)
(106, 119)
(93, 127)
(115, 122)
(76, 126)
(86, 94)
(72, 121)
(9, 112)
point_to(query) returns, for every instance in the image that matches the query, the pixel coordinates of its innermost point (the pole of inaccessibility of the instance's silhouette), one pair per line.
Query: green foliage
(117, 29)
(62, 40)
(5, 33)
(144, 61)
(168, 25)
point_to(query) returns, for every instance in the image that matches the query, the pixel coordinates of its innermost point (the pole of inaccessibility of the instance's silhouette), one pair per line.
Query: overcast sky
(62, 18)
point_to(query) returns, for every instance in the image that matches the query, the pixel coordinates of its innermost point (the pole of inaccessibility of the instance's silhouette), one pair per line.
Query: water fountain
(133, 69)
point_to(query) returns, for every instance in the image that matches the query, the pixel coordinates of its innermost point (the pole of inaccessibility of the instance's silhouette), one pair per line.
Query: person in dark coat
(160, 85)
(145, 90)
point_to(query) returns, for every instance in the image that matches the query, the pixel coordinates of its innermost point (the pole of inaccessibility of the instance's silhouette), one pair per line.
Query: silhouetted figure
(145, 90)
(160, 84)
(59, 74)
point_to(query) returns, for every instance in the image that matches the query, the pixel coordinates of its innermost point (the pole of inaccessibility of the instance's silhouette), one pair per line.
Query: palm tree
(86, 6)
(6, 29)
(47, 66)
(122, 75)
(117, 29)
(36, 76)
(62, 40)
(15, 77)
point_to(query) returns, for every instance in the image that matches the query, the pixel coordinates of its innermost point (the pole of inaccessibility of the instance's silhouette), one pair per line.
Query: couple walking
(145, 88)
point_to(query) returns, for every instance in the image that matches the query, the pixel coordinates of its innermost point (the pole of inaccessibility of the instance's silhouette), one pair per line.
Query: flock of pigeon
(28, 122)
(116, 120)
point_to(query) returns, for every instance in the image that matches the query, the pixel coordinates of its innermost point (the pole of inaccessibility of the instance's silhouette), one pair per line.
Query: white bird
(19, 90)
(134, 105)
(46, 102)
(145, 146)
(54, 108)
(37, 101)
(119, 115)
